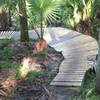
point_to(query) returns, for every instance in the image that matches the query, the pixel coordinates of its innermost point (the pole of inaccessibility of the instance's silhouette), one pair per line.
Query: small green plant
(88, 89)
(9, 51)
(6, 41)
(33, 75)
(33, 39)
(44, 52)
(87, 98)
(6, 53)
(46, 81)
(34, 55)
(8, 64)
(88, 83)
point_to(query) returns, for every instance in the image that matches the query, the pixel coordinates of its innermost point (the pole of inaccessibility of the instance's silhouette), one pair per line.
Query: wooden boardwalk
(75, 47)
(75, 51)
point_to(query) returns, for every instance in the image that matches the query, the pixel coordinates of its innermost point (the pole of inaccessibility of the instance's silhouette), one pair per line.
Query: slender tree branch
(42, 32)
(37, 32)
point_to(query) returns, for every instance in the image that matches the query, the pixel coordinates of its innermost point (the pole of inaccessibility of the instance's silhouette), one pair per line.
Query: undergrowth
(87, 91)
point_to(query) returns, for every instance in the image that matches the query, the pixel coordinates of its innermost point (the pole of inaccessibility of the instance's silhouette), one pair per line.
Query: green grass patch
(33, 75)
(5, 40)
(8, 64)
(88, 85)
(6, 53)
(44, 52)
(4, 43)
(34, 55)
(33, 39)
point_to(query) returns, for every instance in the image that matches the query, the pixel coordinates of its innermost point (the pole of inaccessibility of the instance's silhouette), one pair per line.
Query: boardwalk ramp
(75, 51)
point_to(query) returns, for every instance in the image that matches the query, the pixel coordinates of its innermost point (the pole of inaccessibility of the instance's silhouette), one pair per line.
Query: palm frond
(48, 8)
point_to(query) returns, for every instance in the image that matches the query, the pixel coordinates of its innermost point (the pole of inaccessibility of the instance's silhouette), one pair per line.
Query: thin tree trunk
(23, 21)
(98, 68)
(10, 21)
(42, 32)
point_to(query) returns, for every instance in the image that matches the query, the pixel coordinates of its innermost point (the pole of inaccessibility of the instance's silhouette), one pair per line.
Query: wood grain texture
(75, 64)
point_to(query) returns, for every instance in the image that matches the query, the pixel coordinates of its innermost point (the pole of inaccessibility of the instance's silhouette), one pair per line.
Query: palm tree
(23, 20)
(42, 12)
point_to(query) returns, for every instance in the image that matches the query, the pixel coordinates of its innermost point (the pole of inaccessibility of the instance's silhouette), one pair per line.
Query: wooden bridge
(75, 47)
(75, 50)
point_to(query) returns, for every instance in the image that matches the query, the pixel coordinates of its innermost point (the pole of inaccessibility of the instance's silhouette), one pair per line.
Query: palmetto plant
(42, 12)
(79, 10)
(89, 8)
(73, 11)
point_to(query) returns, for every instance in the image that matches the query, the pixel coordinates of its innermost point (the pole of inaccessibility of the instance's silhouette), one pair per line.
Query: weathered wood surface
(75, 51)
(75, 47)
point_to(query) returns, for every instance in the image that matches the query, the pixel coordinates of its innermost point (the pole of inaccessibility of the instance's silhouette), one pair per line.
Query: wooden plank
(69, 75)
(75, 62)
(68, 65)
(71, 71)
(83, 50)
(70, 68)
(74, 68)
(79, 57)
(74, 73)
(89, 44)
(68, 53)
(77, 83)
(72, 43)
(68, 78)
(76, 65)
(84, 44)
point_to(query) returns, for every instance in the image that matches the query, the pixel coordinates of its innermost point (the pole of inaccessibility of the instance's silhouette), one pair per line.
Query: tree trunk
(98, 68)
(9, 17)
(3, 20)
(23, 21)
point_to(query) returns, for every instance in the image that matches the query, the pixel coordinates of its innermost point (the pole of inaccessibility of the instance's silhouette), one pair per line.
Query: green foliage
(8, 64)
(88, 83)
(33, 39)
(88, 98)
(66, 13)
(73, 12)
(34, 55)
(48, 8)
(88, 89)
(33, 75)
(44, 52)
(15, 19)
(9, 51)
(4, 41)
(42, 12)
(8, 3)
(6, 53)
